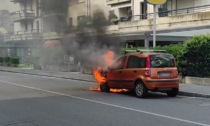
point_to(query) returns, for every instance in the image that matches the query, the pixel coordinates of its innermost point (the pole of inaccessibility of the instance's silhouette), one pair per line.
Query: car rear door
(163, 66)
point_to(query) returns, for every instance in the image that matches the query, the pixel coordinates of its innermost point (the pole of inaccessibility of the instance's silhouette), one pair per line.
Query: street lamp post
(155, 3)
(154, 25)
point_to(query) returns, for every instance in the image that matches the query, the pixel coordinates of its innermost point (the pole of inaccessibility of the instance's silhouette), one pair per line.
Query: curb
(49, 76)
(191, 94)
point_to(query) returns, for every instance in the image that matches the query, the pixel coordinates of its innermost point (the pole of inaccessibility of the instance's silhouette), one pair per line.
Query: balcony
(23, 15)
(111, 2)
(23, 36)
(52, 35)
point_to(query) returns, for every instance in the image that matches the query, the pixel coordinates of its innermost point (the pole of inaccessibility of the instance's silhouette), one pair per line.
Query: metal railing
(23, 35)
(165, 13)
(22, 14)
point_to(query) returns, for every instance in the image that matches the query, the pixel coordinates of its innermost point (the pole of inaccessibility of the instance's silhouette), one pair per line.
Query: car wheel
(104, 87)
(173, 93)
(140, 90)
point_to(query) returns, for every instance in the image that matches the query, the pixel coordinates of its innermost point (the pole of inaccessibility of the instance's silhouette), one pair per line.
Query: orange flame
(98, 76)
(108, 58)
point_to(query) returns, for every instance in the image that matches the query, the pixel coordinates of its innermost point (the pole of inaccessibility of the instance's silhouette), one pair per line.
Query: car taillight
(148, 71)
(175, 63)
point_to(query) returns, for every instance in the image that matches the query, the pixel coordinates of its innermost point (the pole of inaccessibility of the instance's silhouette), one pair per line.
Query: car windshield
(162, 61)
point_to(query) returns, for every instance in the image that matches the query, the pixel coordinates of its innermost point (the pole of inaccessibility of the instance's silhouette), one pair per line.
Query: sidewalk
(192, 90)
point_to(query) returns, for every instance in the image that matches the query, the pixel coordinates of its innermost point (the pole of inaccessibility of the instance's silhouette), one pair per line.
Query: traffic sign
(156, 2)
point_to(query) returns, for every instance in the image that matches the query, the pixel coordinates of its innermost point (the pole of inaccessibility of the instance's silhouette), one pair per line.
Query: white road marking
(112, 105)
(205, 105)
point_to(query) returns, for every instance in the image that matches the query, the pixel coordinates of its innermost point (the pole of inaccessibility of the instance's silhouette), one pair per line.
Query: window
(26, 27)
(136, 62)
(37, 7)
(162, 61)
(119, 64)
(80, 18)
(70, 22)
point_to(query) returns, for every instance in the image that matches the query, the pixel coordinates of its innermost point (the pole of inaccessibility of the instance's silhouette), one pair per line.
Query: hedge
(192, 56)
(9, 60)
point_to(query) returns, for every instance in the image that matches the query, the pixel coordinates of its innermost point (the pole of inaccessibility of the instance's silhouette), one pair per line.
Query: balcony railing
(109, 2)
(162, 13)
(22, 15)
(15, 0)
(23, 35)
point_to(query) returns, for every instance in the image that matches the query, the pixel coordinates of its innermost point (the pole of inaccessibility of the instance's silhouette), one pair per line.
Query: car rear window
(158, 61)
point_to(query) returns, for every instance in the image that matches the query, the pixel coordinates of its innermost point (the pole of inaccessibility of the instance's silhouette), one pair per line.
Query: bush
(7, 59)
(192, 56)
(197, 56)
(1, 60)
(15, 60)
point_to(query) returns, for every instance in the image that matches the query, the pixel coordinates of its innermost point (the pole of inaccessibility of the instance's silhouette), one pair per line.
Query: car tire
(173, 93)
(140, 90)
(104, 87)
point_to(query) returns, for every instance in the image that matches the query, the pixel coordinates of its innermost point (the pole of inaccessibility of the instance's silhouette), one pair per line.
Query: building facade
(5, 27)
(143, 10)
(36, 23)
(174, 14)
(5, 21)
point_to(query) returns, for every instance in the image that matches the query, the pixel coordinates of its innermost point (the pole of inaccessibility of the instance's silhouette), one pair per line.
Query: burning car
(141, 72)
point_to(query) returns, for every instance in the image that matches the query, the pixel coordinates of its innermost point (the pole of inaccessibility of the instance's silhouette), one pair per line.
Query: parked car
(143, 71)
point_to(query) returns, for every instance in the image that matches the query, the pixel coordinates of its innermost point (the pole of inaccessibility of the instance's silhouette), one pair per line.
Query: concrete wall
(197, 80)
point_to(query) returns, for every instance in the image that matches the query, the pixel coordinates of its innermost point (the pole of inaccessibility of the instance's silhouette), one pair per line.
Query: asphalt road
(27, 100)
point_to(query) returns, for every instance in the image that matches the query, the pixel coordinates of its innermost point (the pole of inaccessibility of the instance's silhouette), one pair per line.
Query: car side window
(119, 64)
(136, 62)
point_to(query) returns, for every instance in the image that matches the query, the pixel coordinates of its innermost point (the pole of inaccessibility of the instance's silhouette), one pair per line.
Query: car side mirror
(109, 68)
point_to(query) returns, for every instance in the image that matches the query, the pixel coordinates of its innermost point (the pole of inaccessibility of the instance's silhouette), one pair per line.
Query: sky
(6, 5)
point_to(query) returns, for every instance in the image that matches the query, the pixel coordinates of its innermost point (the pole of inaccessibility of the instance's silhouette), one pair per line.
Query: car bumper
(162, 84)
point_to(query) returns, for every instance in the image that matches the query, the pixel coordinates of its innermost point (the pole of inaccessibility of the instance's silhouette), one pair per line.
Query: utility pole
(154, 25)
(155, 3)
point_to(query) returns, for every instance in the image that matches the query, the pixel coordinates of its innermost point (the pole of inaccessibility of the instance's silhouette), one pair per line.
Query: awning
(123, 5)
(52, 43)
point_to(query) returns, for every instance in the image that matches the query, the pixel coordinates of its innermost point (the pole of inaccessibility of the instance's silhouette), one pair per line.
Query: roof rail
(150, 51)
(144, 51)
(130, 51)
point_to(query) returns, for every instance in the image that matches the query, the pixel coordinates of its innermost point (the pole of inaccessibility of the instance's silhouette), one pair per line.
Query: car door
(114, 76)
(133, 70)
